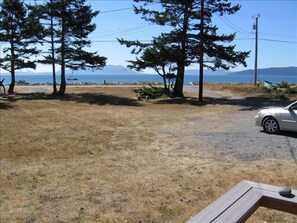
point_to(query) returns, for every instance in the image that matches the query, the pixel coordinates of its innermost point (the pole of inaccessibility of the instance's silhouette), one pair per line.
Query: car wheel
(270, 125)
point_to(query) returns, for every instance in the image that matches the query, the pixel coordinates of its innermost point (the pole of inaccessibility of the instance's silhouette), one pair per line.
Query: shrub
(285, 92)
(284, 84)
(152, 92)
(291, 90)
(265, 90)
(281, 96)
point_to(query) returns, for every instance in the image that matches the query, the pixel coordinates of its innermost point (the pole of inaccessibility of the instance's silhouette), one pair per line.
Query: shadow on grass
(4, 105)
(90, 98)
(246, 104)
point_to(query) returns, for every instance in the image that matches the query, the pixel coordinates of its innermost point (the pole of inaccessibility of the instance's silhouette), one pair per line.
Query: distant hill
(207, 72)
(109, 69)
(287, 71)
(121, 70)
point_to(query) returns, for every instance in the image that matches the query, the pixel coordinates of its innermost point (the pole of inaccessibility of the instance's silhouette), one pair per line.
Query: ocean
(115, 79)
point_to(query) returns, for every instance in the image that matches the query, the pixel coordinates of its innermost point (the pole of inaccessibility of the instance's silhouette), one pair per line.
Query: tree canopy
(72, 23)
(21, 30)
(184, 37)
(64, 25)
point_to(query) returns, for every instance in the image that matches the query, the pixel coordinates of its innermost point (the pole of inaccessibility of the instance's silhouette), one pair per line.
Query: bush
(291, 90)
(265, 90)
(281, 96)
(151, 92)
(285, 92)
(284, 84)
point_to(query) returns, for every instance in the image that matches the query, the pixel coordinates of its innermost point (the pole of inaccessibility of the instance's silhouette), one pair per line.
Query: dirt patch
(99, 155)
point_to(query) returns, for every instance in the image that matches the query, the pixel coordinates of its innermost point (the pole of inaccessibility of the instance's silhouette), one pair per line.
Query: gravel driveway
(233, 135)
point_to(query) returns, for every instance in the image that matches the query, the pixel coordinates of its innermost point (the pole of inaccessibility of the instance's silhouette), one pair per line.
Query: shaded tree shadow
(100, 99)
(4, 105)
(177, 101)
(246, 104)
(89, 98)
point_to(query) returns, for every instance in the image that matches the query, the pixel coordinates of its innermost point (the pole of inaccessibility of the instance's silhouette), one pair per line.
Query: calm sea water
(99, 79)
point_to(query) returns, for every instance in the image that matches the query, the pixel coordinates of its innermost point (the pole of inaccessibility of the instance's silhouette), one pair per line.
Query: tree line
(64, 26)
(61, 25)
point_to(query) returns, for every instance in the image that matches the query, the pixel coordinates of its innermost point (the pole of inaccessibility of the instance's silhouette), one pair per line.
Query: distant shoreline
(115, 84)
(142, 79)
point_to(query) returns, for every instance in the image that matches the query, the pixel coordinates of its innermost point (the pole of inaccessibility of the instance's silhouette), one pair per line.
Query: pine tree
(45, 13)
(74, 19)
(20, 30)
(155, 55)
(184, 37)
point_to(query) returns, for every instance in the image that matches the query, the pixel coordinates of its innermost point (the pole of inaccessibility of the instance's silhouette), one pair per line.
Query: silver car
(277, 119)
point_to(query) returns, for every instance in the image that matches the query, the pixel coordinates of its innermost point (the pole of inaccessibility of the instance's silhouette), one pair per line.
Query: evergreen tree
(45, 13)
(184, 37)
(20, 30)
(155, 55)
(74, 19)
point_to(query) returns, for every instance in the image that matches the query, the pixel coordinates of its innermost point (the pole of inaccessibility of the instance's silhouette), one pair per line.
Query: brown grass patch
(231, 88)
(99, 155)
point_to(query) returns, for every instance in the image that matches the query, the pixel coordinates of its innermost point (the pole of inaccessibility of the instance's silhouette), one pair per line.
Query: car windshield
(292, 106)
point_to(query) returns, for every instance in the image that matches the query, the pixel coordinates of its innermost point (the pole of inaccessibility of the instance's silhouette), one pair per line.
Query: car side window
(294, 107)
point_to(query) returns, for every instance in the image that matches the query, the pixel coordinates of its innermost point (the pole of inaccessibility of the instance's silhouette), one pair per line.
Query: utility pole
(255, 27)
(201, 51)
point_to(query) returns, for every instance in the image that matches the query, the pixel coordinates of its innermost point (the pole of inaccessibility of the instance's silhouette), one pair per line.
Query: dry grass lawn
(99, 155)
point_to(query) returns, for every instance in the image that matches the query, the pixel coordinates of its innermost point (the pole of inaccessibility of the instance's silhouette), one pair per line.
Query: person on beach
(2, 85)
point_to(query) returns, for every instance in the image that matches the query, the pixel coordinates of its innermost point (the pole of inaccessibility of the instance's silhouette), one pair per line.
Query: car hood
(272, 110)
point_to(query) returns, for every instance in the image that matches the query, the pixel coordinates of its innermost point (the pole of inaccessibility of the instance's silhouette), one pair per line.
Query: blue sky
(277, 31)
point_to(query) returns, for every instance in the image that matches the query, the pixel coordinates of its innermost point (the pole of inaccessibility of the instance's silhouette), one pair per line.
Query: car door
(289, 118)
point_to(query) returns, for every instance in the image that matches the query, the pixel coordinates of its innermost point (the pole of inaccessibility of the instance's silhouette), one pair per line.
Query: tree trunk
(167, 89)
(54, 79)
(63, 79)
(179, 83)
(12, 83)
(200, 97)
(12, 69)
(53, 52)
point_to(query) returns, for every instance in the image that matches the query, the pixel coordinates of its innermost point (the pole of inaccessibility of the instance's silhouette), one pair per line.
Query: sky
(277, 26)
